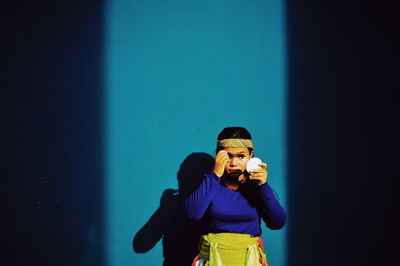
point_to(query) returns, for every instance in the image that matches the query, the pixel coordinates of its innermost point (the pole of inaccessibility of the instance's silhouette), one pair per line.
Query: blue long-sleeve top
(235, 211)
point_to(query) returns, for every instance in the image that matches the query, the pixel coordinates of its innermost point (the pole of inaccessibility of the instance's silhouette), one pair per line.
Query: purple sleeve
(269, 208)
(196, 204)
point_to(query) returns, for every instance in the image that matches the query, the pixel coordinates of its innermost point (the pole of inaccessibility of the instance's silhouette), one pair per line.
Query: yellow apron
(229, 249)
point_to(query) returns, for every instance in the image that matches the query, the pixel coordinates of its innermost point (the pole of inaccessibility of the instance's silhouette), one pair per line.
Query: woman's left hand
(260, 174)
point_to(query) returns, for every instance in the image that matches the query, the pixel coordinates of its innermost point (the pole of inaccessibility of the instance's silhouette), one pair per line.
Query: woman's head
(237, 143)
(230, 133)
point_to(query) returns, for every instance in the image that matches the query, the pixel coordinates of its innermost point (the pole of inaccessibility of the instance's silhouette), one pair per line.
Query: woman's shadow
(180, 236)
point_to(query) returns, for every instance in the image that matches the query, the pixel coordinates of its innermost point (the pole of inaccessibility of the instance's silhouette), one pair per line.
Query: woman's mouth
(235, 172)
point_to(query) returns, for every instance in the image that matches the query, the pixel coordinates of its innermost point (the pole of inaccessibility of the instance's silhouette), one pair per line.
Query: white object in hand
(253, 164)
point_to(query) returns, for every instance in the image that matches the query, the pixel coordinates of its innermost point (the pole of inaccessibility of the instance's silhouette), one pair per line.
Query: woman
(231, 203)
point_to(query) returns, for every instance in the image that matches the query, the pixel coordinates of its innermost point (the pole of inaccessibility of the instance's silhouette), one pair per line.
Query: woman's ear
(251, 154)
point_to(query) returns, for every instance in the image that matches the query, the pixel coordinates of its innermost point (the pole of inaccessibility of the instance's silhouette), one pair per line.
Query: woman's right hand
(221, 160)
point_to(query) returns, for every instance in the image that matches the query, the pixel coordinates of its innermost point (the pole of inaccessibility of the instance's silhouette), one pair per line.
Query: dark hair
(233, 133)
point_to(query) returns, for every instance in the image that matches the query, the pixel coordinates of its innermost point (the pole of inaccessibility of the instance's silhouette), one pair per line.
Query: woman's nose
(233, 161)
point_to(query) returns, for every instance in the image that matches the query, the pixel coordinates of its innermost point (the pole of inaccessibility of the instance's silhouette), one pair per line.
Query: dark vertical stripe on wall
(51, 133)
(343, 132)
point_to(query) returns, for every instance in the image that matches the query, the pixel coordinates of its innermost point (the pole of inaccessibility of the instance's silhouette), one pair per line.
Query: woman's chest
(231, 205)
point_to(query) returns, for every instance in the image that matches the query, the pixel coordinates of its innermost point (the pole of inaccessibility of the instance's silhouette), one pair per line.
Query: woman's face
(237, 162)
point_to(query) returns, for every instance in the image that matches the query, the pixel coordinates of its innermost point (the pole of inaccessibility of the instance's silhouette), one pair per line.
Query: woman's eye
(241, 156)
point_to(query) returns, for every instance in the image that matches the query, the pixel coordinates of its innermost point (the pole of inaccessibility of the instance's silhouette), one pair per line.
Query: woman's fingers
(221, 159)
(260, 174)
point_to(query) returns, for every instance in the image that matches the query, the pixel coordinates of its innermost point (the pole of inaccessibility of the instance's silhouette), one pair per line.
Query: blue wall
(176, 73)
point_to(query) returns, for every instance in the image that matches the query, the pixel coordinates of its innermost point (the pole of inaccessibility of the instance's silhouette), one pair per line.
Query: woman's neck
(233, 184)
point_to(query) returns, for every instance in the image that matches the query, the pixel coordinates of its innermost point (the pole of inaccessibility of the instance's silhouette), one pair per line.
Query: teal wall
(176, 73)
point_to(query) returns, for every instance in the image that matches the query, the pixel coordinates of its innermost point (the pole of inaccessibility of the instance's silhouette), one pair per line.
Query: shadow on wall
(180, 236)
(51, 174)
(343, 132)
